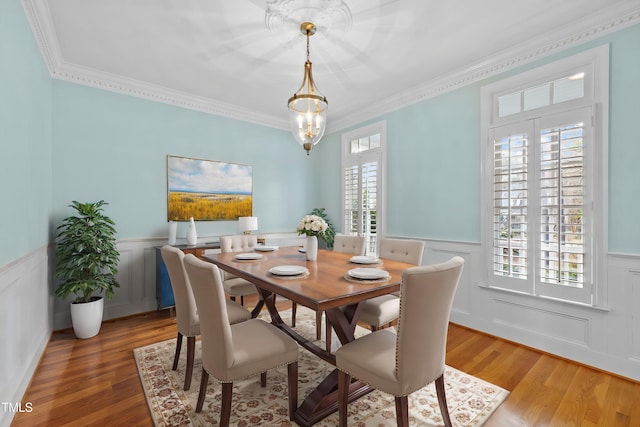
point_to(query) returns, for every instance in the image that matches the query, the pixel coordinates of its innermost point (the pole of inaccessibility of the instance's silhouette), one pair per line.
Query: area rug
(471, 400)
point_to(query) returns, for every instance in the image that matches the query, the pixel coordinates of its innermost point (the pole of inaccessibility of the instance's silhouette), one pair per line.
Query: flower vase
(312, 248)
(192, 234)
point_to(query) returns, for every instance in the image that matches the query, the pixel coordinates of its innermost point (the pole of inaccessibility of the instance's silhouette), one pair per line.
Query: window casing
(363, 183)
(545, 168)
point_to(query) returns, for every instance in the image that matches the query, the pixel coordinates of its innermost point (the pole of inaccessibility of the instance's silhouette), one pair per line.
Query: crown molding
(583, 31)
(139, 89)
(614, 19)
(38, 15)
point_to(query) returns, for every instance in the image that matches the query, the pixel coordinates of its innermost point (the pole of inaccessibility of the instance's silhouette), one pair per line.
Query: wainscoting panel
(444, 252)
(605, 337)
(548, 323)
(25, 324)
(134, 294)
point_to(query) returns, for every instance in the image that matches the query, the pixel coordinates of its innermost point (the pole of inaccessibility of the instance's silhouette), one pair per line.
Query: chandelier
(308, 107)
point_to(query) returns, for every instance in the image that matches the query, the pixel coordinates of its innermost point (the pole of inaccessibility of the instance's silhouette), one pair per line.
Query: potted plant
(87, 263)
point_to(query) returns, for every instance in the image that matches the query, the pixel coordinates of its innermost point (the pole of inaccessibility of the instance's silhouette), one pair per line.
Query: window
(362, 179)
(545, 189)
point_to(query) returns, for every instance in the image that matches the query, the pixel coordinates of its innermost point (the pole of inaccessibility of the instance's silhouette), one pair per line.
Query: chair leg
(203, 390)
(242, 300)
(294, 309)
(176, 357)
(263, 379)
(191, 351)
(327, 338)
(232, 298)
(442, 400)
(402, 411)
(318, 325)
(227, 395)
(344, 381)
(292, 375)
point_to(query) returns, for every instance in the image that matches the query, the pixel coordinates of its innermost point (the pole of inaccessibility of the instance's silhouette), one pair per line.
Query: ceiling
(229, 57)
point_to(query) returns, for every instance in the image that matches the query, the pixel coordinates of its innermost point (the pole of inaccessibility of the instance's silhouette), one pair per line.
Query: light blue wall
(624, 143)
(25, 137)
(113, 147)
(433, 157)
(110, 146)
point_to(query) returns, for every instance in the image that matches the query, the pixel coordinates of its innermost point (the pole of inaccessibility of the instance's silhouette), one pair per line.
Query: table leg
(323, 400)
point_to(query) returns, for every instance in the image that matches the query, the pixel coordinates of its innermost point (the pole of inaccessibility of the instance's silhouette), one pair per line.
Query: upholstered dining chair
(346, 244)
(234, 352)
(236, 286)
(381, 311)
(408, 360)
(187, 317)
(233, 285)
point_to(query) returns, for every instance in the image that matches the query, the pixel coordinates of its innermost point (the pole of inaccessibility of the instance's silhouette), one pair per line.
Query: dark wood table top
(324, 288)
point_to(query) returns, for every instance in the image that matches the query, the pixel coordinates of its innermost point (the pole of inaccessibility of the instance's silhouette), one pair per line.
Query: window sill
(546, 298)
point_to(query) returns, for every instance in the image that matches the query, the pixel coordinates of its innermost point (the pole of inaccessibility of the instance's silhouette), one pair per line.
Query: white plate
(368, 273)
(364, 259)
(264, 248)
(288, 270)
(248, 256)
(302, 250)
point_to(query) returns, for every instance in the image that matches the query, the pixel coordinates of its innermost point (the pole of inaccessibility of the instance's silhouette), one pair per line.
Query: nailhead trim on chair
(252, 375)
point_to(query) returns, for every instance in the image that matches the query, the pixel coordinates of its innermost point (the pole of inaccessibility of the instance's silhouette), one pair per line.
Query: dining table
(333, 283)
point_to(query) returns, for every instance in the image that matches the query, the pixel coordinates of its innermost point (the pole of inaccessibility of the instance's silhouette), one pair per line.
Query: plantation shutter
(370, 204)
(361, 202)
(540, 213)
(510, 202)
(351, 200)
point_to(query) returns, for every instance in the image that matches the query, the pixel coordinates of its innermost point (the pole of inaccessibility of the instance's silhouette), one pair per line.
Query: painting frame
(208, 190)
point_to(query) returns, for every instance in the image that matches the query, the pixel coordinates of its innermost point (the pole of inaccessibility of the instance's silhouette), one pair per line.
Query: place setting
(367, 275)
(289, 272)
(365, 260)
(266, 248)
(248, 257)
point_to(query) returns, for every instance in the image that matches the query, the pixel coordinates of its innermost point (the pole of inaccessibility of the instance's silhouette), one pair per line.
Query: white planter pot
(87, 317)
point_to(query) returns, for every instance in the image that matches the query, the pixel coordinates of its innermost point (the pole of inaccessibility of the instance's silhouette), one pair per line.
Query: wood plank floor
(95, 382)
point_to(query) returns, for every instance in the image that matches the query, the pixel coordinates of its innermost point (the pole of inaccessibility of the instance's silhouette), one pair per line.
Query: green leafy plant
(87, 258)
(330, 233)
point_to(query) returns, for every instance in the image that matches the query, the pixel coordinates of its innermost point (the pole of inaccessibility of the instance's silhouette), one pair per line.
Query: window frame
(352, 159)
(595, 64)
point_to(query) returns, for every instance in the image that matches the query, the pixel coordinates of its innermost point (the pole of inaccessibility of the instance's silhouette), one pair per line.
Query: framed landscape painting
(208, 190)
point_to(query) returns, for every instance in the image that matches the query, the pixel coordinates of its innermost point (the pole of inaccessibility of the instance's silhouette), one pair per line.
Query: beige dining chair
(236, 286)
(408, 360)
(234, 352)
(381, 311)
(345, 244)
(187, 318)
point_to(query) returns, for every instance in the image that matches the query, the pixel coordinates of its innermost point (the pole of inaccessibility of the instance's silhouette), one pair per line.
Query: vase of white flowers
(312, 226)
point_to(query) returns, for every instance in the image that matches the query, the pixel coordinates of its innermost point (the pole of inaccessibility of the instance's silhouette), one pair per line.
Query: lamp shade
(248, 223)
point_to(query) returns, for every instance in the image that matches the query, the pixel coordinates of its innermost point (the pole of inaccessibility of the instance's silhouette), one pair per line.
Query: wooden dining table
(327, 287)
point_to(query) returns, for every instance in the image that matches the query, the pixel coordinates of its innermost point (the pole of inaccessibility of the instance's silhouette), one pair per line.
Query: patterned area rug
(471, 401)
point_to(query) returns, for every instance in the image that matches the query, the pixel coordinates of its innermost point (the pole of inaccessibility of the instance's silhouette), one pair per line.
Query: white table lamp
(247, 224)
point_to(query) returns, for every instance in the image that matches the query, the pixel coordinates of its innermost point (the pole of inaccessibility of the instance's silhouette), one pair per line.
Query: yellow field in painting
(207, 206)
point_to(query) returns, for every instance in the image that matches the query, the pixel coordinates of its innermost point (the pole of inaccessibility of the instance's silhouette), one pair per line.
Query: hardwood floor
(95, 381)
